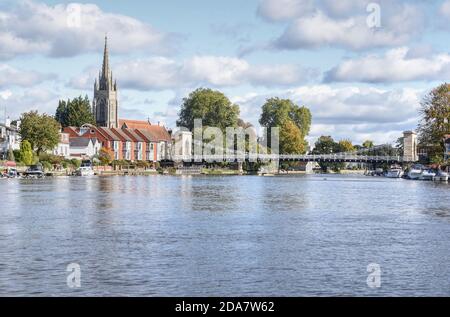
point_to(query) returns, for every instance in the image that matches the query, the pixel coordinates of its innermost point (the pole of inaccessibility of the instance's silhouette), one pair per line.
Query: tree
(212, 106)
(346, 146)
(74, 112)
(326, 145)
(26, 152)
(106, 156)
(435, 120)
(281, 113)
(42, 131)
(368, 144)
(291, 141)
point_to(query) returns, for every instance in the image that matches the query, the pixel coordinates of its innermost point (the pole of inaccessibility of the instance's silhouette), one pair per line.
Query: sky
(362, 67)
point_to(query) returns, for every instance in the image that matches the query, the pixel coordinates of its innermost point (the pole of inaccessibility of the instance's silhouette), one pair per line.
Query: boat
(428, 175)
(415, 172)
(12, 173)
(441, 176)
(85, 171)
(394, 172)
(35, 171)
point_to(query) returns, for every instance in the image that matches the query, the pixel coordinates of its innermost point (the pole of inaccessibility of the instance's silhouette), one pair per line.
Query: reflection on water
(285, 236)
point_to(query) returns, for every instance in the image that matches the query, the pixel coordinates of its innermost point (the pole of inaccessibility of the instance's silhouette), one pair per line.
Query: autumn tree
(435, 120)
(106, 156)
(346, 146)
(285, 114)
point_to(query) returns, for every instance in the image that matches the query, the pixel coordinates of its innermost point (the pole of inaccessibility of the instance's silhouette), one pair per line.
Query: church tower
(105, 105)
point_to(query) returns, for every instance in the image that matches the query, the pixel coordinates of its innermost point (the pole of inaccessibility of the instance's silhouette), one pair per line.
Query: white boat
(441, 176)
(394, 172)
(427, 175)
(35, 171)
(85, 171)
(415, 172)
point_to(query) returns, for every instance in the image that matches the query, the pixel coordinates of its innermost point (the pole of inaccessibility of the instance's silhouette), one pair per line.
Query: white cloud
(10, 76)
(321, 30)
(343, 23)
(29, 27)
(395, 65)
(159, 73)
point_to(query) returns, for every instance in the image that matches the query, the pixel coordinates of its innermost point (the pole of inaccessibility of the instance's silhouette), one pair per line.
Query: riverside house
(133, 141)
(9, 138)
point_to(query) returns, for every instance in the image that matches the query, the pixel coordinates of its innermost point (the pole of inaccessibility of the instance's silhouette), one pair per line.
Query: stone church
(105, 104)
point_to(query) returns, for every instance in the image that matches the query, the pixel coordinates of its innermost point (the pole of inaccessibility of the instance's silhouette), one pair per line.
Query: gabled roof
(136, 137)
(160, 133)
(134, 124)
(122, 135)
(80, 142)
(109, 134)
(149, 136)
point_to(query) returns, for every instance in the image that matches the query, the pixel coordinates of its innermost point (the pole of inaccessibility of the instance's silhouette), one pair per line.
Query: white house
(9, 138)
(63, 147)
(84, 148)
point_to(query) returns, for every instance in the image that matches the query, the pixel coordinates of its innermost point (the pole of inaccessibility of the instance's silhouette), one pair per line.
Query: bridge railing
(292, 157)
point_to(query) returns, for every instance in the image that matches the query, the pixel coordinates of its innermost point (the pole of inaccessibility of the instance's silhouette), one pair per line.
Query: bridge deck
(337, 158)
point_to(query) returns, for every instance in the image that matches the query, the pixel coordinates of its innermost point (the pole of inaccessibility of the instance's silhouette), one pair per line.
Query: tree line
(41, 131)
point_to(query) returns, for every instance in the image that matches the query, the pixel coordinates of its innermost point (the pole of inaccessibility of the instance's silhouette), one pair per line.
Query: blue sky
(360, 80)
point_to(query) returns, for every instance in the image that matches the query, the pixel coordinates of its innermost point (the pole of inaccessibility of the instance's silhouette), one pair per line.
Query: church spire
(105, 69)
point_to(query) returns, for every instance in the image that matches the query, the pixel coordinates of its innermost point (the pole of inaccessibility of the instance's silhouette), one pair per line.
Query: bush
(75, 163)
(47, 166)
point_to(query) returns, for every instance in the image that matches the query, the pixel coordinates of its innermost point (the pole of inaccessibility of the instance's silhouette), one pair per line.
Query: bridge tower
(410, 146)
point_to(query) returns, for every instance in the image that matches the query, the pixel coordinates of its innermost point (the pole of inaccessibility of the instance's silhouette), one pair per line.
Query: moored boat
(415, 172)
(85, 171)
(394, 172)
(441, 176)
(427, 175)
(35, 171)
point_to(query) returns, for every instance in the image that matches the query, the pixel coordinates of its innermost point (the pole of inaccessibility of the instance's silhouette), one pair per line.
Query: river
(224, 236)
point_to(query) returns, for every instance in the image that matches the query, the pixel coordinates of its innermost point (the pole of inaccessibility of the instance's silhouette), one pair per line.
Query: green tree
(278, 112)
(42, 131)
(212, 106)
(26, 153)
(74, 112)
(368, 144)
(326, 145)
(435, 120)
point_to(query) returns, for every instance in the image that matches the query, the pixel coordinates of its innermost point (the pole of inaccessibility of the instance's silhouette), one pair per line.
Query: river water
(225, 236)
